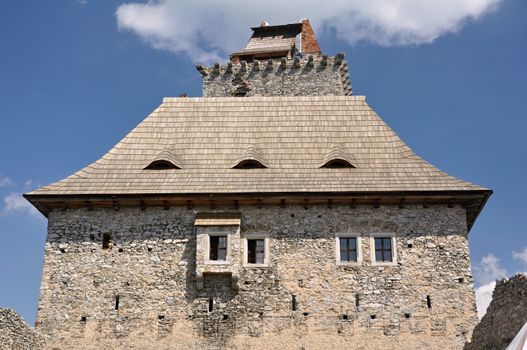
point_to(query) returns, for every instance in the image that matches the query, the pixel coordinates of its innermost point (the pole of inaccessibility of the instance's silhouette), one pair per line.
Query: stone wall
(506, 315)
(141, 292)
(302, 77)
(15, 334)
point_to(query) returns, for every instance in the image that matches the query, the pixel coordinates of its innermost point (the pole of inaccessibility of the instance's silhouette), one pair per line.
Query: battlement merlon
(309, 75)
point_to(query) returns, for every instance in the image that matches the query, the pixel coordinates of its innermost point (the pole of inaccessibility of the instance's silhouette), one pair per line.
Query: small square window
(383, 249)
(348, 249)
(256, 251)
(218, 248)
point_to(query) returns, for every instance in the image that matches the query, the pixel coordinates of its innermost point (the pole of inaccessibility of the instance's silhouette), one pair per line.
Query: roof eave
(472, 200)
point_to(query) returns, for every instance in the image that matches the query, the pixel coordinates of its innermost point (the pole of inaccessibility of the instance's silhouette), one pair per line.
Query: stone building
(277, 211)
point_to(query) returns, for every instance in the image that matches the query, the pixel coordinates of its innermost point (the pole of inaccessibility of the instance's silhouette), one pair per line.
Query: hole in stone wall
(62, 250)
(83, 320)
(211, 304)
(429, 301)
(305, 313)
(225, 317)
(121, 250)
(149, 249)
(117, 302)
(410, 245)
(106, 237)
(461, 280)
(160, 317)
(345, 317)
(319, 216)
(293, 302)
(407, 315)
(292, 215)
(357, 300)
(373, 317)
(92, 236)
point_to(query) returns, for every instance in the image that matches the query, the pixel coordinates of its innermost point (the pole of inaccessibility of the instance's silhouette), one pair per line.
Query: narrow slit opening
(293, 302)
(429, 301)
(117, 302)
(106, 237)
(211, 304)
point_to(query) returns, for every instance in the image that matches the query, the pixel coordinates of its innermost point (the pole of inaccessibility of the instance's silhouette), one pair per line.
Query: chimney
(309, 43)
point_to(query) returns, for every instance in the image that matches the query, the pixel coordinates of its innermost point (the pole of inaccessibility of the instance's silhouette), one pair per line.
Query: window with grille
(383, 249)
(218, 248)
(348, 249)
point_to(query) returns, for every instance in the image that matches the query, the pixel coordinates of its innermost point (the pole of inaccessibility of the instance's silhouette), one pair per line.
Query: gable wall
(160, 306)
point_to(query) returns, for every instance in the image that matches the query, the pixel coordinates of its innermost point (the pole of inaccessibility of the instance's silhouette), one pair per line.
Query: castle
(277, 211)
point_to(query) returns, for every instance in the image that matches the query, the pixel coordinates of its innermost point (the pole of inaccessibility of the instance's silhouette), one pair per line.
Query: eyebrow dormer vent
(338, 158)
(164, 160)
(250, 159)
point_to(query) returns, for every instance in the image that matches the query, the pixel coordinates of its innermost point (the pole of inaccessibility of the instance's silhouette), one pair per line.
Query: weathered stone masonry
(150, 268)
(307, 76)
(506, 315)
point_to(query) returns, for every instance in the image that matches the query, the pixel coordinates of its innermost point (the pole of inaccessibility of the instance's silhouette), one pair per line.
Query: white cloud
(488, 270)
(522, 256)
(5, 181)
(14, 202)
(207, 30)
(484, 297)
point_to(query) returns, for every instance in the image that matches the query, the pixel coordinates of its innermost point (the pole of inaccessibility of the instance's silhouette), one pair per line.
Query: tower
(277, 211)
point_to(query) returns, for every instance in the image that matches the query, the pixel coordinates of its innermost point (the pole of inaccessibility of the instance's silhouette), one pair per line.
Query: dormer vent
(163, 161)
(250, 159)
(338, 158)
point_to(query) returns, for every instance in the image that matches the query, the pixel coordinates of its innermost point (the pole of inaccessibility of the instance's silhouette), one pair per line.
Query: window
(249, 164)
(218, 248)
(255, 251)
(161, 165)
(338, 164)
(347, 249)
(383, 249)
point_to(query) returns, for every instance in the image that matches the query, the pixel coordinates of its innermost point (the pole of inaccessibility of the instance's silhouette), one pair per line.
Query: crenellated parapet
(301, 76)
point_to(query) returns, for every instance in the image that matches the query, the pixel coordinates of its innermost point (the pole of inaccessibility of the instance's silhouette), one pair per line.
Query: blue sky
(76, 76)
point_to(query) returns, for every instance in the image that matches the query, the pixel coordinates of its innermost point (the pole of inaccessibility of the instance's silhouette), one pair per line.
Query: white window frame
(267, 253)
(338, 236)
(207, 249)
(394, 248)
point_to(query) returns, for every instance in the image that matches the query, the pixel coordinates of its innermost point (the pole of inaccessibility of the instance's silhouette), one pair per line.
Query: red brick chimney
(309, 43)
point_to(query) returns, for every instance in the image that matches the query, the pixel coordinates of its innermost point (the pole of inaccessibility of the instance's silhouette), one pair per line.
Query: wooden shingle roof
(293, 135)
